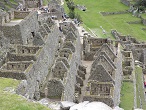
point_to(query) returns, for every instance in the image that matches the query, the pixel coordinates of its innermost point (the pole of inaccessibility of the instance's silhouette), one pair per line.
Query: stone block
(79, 80)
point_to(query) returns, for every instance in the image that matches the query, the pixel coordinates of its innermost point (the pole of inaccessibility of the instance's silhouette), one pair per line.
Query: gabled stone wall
(22, 32)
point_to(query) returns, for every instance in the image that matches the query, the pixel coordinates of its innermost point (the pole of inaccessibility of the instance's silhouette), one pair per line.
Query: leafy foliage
(71, 5)
(141, 4)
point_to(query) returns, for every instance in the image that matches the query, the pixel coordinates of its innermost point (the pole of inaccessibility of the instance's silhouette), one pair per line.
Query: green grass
(13, 1)
(139, 88)
(127, 96)
(93, 19)
(10, 101)
(45, 2)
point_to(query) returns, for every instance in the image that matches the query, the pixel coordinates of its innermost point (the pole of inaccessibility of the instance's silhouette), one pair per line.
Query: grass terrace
(127, 96)
(140, 88)
(9, 101)
(93, 19)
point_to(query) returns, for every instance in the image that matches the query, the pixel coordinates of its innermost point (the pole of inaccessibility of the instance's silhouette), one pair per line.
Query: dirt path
(87, 64)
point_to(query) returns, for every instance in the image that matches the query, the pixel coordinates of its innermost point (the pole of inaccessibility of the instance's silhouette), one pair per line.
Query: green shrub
(71, 14)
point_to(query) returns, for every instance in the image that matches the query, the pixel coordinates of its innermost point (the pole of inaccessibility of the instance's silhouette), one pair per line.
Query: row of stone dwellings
(102, 81)
(32, 62)
(18, 62)
(133, 52)
(66, 73)
(131, 44)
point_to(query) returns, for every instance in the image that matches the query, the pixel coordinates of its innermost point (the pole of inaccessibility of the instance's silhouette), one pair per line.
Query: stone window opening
(27, 41)
(25, 66)
(22, 51)
(12, 66)
(1, 45)
(33, 34)
(28, 50)
(124, 39)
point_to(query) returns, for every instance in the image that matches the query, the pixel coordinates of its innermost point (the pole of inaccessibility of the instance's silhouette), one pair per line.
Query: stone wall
(29, 26)
(4, 17)
(118, 78)
(32, 3)
(22, 32)
(20, 14)
(113, 13)
(144, 21)
(40, 69)
(22, 66)
(12, 33)
(20, 57)
(134, 22)
(91, 45)
(74, 62)
(12, 74)
(126, 2)
(27, 49)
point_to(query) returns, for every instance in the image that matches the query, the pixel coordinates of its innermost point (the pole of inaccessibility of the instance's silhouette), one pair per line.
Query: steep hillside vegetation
(7, 4)
(10, 101)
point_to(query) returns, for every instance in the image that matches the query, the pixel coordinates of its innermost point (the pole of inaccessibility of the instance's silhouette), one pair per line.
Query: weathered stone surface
(21, 32)
(108, 50)
(22, 88)
(65, 105)
(100, 74)
(47, 27)
(79, 80)
(38, 39)
(64, 60)
(69, 44)
(60, 70)
(55, 88)
(81, 74)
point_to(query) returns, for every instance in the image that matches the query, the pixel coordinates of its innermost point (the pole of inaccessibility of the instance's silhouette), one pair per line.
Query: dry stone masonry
(47, 55)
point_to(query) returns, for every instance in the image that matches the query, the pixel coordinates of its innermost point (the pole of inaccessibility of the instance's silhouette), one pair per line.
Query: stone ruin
(46, 57)
(91, 45)
(54, 11)
(105, 77)
(24, 22)
(33, 3)
(133, 53)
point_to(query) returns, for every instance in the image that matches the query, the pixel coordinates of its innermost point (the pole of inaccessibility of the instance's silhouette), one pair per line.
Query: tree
(71, 14)
(71, 5)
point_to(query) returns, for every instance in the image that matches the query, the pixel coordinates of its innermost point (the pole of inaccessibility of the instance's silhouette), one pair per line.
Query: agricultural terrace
(93, 19)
